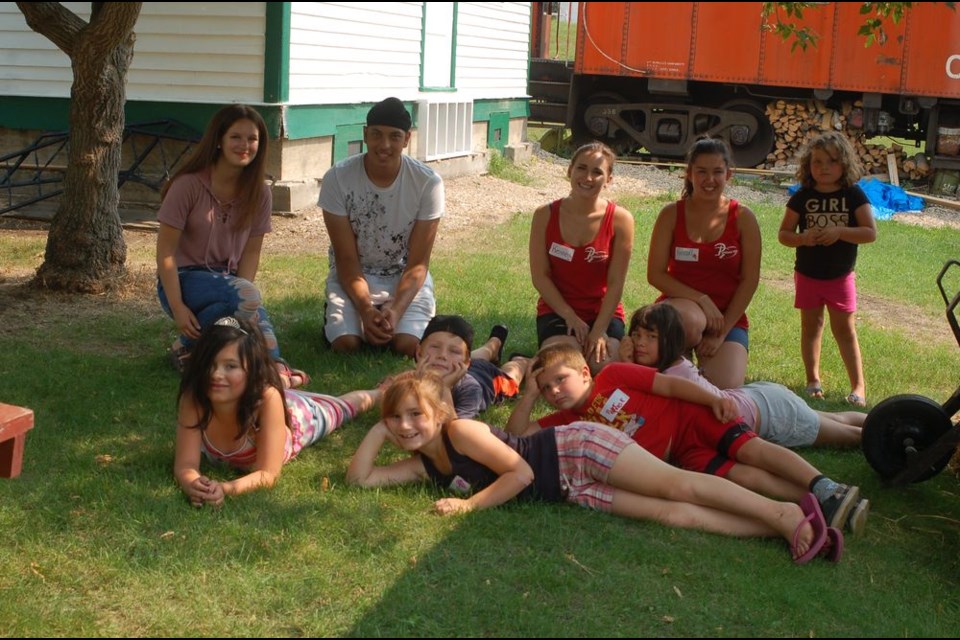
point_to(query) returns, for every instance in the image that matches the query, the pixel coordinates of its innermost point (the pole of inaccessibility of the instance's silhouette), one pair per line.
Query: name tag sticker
(613, 405)
(557, 250)
(686, 254)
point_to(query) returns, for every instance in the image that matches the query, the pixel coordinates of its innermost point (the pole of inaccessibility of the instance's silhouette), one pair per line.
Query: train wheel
(598, 129)
(900, 426)
(750, 148)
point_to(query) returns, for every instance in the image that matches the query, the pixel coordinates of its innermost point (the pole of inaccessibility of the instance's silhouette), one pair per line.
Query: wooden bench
(14, 424)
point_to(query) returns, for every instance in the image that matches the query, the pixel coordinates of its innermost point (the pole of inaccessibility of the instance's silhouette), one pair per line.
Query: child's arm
(520, 423)
(364, 472)
(724, 408)
(474, 440)
(788, 235)
(864, 233)
(271, 443)
(186, 460)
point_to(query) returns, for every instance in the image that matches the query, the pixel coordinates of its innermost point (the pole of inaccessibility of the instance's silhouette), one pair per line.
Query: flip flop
(813, 515)
(856, 400)
(814, 390)
(288, 374)
(832, 550)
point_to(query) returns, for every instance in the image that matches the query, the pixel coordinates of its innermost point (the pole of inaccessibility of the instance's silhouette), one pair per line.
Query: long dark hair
(665, 320)
(255, 360)
(705, 147)
(207, 152)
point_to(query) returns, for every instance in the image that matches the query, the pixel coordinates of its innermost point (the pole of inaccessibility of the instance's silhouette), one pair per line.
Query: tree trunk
(85, 247)
(85, 250)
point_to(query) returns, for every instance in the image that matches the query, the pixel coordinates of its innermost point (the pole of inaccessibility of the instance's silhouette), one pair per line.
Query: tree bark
(85, 250)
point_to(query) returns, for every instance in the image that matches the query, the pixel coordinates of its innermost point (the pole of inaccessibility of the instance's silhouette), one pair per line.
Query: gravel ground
(475, 201)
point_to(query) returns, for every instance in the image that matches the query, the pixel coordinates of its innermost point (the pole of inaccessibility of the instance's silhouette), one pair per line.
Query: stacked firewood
(796, 122)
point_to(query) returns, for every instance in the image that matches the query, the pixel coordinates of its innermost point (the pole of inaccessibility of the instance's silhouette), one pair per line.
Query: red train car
(658, 74)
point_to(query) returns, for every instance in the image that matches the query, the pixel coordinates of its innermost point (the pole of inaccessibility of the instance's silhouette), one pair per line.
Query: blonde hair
(838, 147)
(560, 354)
(428, 390)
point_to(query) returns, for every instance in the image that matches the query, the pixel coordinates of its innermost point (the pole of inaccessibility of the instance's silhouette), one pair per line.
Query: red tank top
(710, 267)
(580, 273)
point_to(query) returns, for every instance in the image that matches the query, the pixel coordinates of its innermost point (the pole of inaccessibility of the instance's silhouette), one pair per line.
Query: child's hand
(215, 494)
(626, 351)
(809, 238)
(197, 491)
(724, 409)
(450, 506)
(828, 236)
(530, 385)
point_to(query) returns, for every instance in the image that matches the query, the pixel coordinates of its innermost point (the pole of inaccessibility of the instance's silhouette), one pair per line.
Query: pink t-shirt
(208, 237)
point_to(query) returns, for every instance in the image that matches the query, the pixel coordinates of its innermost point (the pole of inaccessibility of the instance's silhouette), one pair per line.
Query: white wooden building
(312, 68)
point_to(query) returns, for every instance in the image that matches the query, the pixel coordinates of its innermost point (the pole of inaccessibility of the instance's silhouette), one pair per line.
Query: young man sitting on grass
(680, 422)
(473, 376)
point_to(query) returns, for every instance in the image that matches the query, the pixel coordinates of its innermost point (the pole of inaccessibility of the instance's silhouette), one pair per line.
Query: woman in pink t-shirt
(214, 214)
(580, 249)
(705, 260)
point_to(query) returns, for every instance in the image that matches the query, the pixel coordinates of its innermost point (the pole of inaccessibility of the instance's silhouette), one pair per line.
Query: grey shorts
(342, 318)
(785, 418)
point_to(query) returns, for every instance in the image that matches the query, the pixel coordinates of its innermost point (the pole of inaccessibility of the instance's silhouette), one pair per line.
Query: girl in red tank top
(705, 260)
(580, 250)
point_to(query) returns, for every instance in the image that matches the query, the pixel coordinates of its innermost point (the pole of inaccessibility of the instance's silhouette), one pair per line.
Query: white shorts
(342, 318)
(785, 418)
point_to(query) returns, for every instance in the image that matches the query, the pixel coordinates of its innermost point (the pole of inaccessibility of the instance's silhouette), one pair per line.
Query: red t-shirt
(622, 398)
(580, 273)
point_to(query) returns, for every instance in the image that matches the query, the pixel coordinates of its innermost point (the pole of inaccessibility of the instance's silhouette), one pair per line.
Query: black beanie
(389, 113)
(456, 325)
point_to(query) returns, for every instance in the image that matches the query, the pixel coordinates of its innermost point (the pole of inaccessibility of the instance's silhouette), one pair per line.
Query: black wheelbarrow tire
(891, 426)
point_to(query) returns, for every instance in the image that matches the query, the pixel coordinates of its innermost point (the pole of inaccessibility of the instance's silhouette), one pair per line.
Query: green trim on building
(346, 133)
(302, 121)
(276, 54)
(453, 49)
(498, 131)
(517, 108)
(453, 46)
(53, 114)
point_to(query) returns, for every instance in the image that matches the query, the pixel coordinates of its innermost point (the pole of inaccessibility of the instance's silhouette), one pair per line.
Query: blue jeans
(211, 295)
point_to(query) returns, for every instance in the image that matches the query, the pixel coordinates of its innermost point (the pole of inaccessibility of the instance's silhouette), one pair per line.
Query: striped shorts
(587, 451)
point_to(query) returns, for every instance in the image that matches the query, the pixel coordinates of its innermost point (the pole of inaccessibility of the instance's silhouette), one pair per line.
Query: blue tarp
(886, 199)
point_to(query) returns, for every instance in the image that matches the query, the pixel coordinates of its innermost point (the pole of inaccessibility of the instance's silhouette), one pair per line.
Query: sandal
(814, 390)
(813, 515)
(856, 400)
(178, 358)
(292, 378)
(832, 550)
(499, 332)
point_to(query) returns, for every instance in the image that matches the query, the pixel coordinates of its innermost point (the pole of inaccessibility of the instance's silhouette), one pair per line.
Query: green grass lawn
(97, 540)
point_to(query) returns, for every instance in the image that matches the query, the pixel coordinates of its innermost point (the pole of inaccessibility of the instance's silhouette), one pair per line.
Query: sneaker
(837, 507)
(499, 332)
(857, 521)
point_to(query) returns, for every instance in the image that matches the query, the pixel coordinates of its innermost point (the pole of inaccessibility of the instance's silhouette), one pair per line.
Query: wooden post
(892, 170)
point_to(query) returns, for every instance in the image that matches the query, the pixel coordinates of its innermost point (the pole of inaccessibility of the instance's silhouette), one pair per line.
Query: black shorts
(551, 324)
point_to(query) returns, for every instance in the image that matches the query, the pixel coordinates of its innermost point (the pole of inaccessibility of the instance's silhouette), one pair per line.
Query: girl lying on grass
(233, 408)
(584, 463)
(774, 412)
